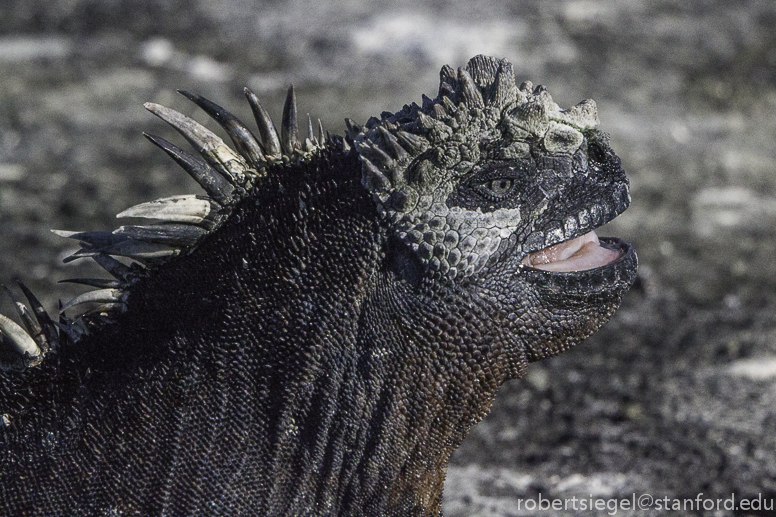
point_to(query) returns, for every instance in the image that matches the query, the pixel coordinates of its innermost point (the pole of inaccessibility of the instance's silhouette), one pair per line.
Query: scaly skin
(329, 340)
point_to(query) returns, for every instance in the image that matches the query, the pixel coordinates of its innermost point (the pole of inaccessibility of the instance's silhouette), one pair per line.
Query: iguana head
(494, 186)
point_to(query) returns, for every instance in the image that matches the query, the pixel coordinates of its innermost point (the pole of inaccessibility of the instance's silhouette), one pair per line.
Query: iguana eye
(499, 187)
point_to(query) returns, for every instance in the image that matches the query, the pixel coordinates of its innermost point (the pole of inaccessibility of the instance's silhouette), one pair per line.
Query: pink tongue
(584, 252)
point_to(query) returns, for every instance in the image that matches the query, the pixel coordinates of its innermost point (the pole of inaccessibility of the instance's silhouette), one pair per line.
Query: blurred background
(676, 396)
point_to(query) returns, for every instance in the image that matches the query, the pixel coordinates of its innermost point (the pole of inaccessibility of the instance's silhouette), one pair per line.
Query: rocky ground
(675, 397)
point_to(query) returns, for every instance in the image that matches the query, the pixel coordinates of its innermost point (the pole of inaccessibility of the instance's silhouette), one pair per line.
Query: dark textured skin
(298, 361)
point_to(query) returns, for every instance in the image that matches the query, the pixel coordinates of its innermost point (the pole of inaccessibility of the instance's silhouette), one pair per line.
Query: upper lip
(575, 232)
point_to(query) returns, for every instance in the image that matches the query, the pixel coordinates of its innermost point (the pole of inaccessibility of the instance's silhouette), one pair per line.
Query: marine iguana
(318, 333)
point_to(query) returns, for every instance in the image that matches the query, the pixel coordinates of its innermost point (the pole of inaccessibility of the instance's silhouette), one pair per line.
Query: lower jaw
(610, 279)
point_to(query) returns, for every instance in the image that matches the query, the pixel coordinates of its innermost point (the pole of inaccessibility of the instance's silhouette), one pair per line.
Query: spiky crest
(224, 173)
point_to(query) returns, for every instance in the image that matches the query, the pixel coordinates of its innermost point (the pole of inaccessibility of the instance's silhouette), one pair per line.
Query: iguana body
(342, 312)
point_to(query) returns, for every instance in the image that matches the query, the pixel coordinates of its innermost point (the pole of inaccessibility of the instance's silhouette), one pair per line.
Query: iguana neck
(302, 348)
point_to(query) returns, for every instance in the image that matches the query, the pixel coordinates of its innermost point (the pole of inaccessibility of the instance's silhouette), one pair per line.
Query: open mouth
(579, 254)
